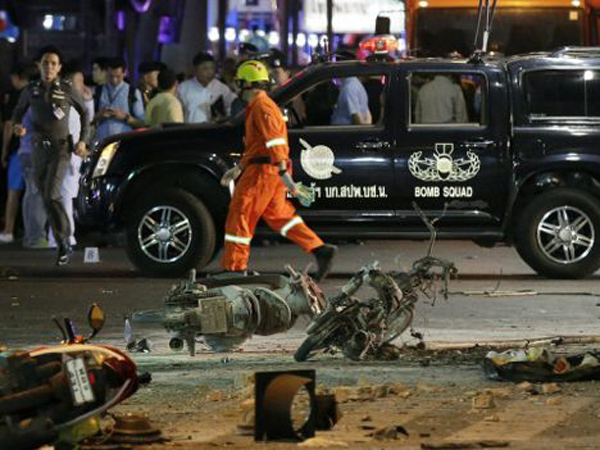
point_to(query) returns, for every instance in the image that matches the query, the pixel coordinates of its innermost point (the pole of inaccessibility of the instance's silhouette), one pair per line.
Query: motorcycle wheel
(398, 324)
(310, 346)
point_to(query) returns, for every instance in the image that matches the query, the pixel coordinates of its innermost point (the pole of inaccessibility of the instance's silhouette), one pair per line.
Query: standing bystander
(148, 86)
(33, 209)
(165, 107)
(204, 98)
(441, 100)
(99, 77)
(19, 77)
(352, 106)
(121, 107)
(50, 100)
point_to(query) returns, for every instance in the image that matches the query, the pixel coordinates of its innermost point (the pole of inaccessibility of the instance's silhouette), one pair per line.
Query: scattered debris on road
(389, 433)
(127, 431)
(320, 442)
(541, 365)
(463, 445)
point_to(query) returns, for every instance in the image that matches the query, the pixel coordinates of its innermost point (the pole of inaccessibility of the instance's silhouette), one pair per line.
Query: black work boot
(64, 253)
(325, 255)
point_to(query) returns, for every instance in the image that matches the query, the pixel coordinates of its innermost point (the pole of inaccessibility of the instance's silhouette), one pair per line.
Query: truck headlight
(105, 158)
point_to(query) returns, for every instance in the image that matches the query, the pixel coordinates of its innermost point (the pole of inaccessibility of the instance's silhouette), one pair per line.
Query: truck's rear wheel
(558, 233)
(169, 232)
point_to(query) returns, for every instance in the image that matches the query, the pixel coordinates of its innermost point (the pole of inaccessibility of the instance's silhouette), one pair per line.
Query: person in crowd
(228, 70)
(277, 68)
(258, 39)
(246, 51)
(265, 181)
(280, 75)
(165, 107)
(50, 100)
(73, 73)
(204, 98)
(32, 208)
(121, 107)
(19, 78)
(99, 77)
(441, 100)
(148, 71)
(352, 106)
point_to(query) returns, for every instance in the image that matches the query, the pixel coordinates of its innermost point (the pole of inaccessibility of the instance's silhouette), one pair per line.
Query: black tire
(195, 243)
(553, 219)
(310, 345)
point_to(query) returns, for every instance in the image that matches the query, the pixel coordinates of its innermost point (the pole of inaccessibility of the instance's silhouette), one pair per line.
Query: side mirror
(96, 319)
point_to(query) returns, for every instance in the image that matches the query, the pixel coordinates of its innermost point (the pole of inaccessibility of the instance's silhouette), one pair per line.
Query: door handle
(368, 146)
(479, 145)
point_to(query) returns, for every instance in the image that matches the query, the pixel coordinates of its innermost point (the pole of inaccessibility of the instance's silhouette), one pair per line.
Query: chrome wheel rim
(566, 235)
(164, 234)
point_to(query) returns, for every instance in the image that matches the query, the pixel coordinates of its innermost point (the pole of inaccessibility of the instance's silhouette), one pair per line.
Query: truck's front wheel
(169, 232)
(558, 233)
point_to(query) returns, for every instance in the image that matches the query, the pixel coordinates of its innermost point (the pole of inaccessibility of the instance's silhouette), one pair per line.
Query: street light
(213, 34)
(48, 21)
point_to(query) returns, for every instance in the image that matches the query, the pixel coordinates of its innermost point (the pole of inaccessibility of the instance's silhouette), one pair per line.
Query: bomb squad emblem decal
(318, 161)
(442, 166)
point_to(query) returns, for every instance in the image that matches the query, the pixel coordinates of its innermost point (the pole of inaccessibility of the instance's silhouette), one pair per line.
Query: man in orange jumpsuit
(265, 181)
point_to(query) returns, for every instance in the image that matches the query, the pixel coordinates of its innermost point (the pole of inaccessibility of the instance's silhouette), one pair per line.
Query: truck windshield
(441, 31)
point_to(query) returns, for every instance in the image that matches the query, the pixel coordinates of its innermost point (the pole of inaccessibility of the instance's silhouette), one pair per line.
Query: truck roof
(566, 56)
(502, 4)
(582, 56)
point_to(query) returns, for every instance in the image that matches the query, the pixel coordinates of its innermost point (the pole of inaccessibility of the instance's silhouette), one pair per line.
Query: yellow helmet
(252, 71)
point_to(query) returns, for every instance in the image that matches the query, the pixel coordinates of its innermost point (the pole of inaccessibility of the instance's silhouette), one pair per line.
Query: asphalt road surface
(32, 290)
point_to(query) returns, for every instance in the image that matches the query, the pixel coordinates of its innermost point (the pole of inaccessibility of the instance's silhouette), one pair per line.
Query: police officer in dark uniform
(50, 100)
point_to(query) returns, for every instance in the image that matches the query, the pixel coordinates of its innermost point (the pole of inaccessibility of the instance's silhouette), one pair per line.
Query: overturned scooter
(58, 393)
(362, 328)
(226, 311)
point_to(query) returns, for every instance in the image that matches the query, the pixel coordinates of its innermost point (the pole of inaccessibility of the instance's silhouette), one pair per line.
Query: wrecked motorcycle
(58, 393)
(225, 311)
(362, 328)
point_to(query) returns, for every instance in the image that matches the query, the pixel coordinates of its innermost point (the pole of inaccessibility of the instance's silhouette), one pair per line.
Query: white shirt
(197, 99)
(70, 185)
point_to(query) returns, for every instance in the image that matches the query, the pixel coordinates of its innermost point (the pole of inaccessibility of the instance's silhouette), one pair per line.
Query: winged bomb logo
(442, 166)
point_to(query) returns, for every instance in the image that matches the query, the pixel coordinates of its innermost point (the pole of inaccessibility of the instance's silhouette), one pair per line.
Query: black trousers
(51, 159)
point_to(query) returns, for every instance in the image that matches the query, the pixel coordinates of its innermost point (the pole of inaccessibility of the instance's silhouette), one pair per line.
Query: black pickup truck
(504, 149)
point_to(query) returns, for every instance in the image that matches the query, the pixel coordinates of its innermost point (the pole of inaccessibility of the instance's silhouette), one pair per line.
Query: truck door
(349, 164)
(452, 152)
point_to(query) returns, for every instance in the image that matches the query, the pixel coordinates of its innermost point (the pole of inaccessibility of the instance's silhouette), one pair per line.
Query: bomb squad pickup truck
(503, 149)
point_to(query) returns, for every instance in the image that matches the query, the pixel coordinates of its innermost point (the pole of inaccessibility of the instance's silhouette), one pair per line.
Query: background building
(174, 30)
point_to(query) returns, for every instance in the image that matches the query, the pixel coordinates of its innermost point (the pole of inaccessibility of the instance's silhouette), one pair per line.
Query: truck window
(562, 93)
(338, 102)
(444, 98)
